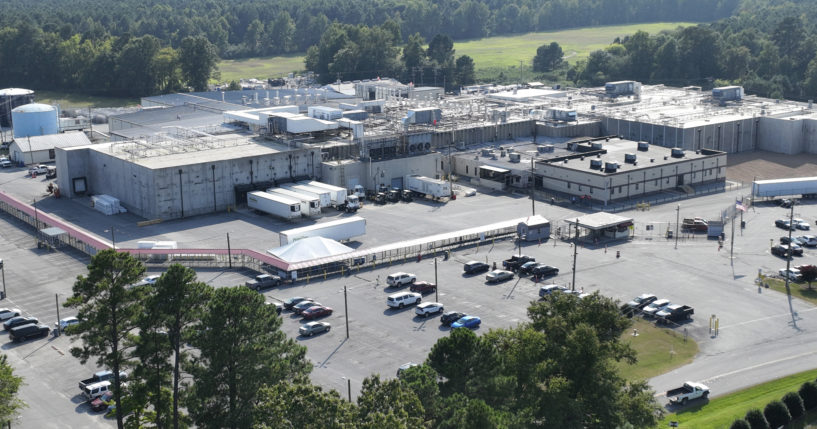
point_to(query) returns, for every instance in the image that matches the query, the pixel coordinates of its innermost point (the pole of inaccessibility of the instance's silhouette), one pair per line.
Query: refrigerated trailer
(276, 205)
(321, 194)
(311, 205)
(339, 196)
(340, 230)
(427, 186)
(805, 186)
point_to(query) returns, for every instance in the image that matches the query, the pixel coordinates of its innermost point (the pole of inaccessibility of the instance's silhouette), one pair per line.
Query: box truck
(321, 194)
(338, 196)
(341, 229)
(276, 205)
(426, 186)
(310, 205)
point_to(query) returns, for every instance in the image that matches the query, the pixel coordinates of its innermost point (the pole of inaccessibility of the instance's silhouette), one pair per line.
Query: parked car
(278, 306)
(423, 287)
(292, 302)
(406, 366)
(400, 279)
(19, 321)
(428, 308)
(674, 313)
(542, 270)
(786, 240)
(402, 299)
(300, 307)
(451, 317)
(641, 301)
(5, 163)
(780, 250)
(687, 392)
(794, 249)
(25, 332)
(474, 267)
(316, 311)
(149, 280)
(801, 224)
(312, 328)
(38, 169)
(515, 261)
(101, 403)
(547, 290)
(8, 313)
(655, 307)
(470, 322)
(497, 276)
(792, 273)
(527, 267)
(783, 223)
(807, 240)
(66, 322)
(263, 281)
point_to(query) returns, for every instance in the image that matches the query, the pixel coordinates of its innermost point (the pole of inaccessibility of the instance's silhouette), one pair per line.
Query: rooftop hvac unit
(630, 158)
(677, 152)
(502, 153)
(487, 152)
(595, 145)
(595, 164)
(611, 166)
(549, 148)
(643, 146)
(514, 157)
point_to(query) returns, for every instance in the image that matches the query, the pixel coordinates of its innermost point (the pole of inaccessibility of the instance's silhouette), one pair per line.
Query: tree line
(243, 28)
(216, 358)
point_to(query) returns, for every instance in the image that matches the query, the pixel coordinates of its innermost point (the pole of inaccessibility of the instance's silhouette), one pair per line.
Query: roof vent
(629, 158)
(596, 145)
(502, 153)
(665, 157)
(652, 159)
(595, 164)
(610, 166)
(582, 158)
(607, 139)
(514, 157)
(643, 146)
(565, 161)
(677, 152)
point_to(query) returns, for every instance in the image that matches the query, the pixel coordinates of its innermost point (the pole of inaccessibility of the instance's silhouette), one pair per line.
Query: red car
(423, 287)
(101, 403)
(316, 311)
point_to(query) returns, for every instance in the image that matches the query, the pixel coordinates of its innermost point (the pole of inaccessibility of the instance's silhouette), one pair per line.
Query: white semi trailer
(339, 197)
(805, 186)
(427, 186)
(276, 205)
(311, 204)
(321, 194)
(341, 229)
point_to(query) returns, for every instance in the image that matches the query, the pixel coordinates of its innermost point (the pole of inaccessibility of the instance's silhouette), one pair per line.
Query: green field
(490, 53)
(721, 412)
(659, 351)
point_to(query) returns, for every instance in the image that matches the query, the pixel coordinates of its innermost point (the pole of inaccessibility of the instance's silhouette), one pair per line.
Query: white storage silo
(34, 120)
(11, 98)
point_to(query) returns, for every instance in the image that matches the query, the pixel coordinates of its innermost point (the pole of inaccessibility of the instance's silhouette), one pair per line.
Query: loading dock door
(397, 182)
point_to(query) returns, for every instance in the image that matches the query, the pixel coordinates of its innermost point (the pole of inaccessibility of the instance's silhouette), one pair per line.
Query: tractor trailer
(426, 186)
(321, 194)
(311, 206)
(340, 230)
(339, 197)
(276, 205)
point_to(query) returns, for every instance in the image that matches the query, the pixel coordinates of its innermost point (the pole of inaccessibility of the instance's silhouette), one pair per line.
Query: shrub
(740, 424)
(777, 414)
(808, 391)
(794, 403)
(756, 419)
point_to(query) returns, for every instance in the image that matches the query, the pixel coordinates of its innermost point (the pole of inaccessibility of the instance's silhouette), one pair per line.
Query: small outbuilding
(603, 225)
(534, 228)
(40, 149)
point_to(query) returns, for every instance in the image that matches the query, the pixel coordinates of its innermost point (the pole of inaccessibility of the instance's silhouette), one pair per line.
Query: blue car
(470, 322)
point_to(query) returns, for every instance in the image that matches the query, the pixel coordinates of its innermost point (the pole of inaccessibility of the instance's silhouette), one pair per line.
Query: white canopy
(309, 248)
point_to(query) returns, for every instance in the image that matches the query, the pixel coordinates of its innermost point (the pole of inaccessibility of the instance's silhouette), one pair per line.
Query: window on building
(656, 182)
(51, 154)
(568, 185)
(442, 165)
(619, 189)
(591, 189)
(518, 179)
(667, 180)
(580, 188)
(466, 169)
(636, 186)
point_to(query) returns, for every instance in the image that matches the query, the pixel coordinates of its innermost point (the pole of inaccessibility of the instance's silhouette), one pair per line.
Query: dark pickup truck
(674, 313)
(101, 376)
(516, 261)
(263, 281)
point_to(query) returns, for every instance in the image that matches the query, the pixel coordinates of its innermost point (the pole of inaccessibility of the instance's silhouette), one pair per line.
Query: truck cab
(352, 203)
(688, 392)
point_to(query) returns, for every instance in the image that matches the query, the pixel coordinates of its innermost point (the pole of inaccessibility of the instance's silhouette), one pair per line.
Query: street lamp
(113, 237)
(3, 271)
(348, 387)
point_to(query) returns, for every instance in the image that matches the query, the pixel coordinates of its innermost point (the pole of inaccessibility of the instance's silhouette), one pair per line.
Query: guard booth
(602, 226)
(52, 237)
(534, 228)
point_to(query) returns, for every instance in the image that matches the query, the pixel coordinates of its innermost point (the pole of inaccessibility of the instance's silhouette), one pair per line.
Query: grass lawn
(507, 51)
(799, 290)
(69, 100)
(260, 68)
(721, 412)
(488, 53)
(659, 350)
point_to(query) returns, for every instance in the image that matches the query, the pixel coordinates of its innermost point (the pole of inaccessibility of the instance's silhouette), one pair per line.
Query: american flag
(739, 205)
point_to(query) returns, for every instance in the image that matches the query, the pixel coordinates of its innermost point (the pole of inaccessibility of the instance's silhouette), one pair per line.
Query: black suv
(780, 250)
(543, 270)
(473, 267)
(516, 261)
(452, 316)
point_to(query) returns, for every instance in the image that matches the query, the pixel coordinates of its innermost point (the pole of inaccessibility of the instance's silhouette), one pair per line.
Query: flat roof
(496, 169)
(599, 220)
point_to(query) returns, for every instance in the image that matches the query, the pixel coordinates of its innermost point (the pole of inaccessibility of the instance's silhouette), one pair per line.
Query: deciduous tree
(9, 386)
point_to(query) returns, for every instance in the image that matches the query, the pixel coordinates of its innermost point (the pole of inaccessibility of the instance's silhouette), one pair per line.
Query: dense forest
(136, 49)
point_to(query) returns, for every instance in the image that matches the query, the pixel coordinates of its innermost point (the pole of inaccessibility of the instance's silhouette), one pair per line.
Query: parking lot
(762, 334)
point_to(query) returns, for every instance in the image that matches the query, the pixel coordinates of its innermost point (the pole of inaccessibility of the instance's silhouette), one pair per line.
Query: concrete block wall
(373, 174)
(731, 137)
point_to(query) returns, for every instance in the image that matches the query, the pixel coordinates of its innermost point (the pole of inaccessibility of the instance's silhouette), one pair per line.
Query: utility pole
(346, 314)
(3, 271)
(57, 300)
(732, 241)
(532, 188)
(450, 170)
(229, 254)
(575, 252)
(436, 285)
(789, 253)
(677, 221)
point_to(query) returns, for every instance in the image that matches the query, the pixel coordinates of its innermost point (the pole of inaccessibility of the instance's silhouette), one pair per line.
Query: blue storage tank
(34, 120)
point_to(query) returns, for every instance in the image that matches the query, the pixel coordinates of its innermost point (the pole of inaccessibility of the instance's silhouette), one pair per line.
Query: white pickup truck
(688, 392)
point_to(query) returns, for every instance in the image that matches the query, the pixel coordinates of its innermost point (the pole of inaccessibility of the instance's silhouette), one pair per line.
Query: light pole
(346, 314)
(113, 238)
(575, 252)
(3, 271)
(348, 387)
(677, 220)
(532, 186)
(436, 285)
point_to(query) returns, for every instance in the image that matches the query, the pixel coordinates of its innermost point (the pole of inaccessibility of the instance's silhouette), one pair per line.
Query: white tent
(308, 249)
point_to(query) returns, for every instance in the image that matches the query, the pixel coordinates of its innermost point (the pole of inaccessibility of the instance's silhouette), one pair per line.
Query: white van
(402, 299)
(93, 391)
